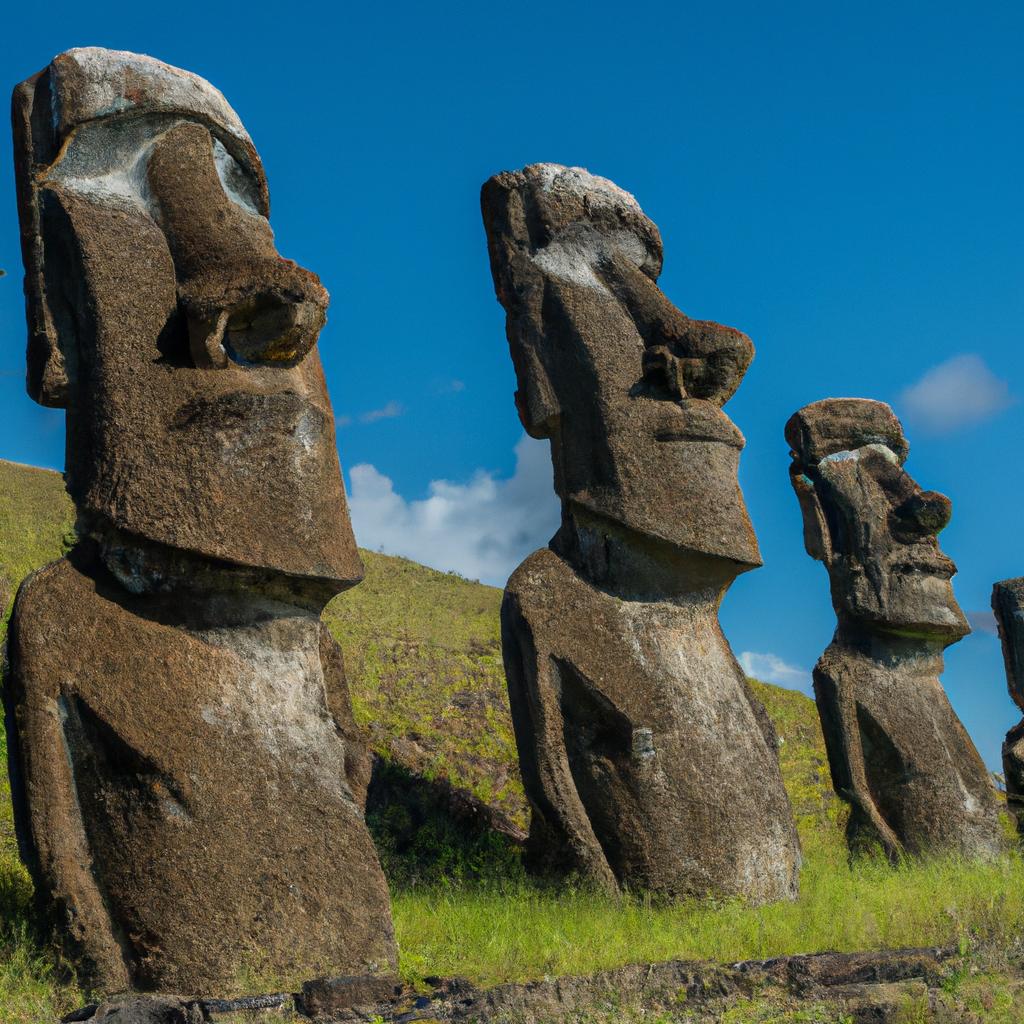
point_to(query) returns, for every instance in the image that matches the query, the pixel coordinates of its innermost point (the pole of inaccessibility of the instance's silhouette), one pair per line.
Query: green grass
(36, 524)
(423, 658)
(517, 932)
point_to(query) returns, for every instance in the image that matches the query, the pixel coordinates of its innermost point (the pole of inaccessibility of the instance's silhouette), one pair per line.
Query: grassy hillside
(423, 657)
(36, 525)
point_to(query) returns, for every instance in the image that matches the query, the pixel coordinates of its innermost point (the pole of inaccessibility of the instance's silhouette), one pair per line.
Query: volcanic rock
(897, 751)
(187, 771)
(641, 748)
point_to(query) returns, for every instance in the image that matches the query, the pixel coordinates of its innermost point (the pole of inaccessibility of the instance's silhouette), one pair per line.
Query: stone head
(628, 389)
(162, 318)
(870, 523)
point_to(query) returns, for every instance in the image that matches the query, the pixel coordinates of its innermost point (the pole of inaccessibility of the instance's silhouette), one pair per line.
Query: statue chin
(914, 604)
(689, 502)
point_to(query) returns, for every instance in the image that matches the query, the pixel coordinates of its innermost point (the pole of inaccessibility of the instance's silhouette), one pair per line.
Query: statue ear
(816, 536)
(34, 145)
(47, 378)
(55, 290)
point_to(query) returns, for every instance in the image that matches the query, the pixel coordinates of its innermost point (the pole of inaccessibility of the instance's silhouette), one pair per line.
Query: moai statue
(648, 763)
(897, 751)
(186, 766)
(1008, 605)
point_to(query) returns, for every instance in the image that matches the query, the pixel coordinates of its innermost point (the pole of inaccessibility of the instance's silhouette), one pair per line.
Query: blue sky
(840, 182)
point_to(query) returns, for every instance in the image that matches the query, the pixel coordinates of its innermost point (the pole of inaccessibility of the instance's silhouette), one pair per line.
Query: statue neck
(922, 652)
(635, 566)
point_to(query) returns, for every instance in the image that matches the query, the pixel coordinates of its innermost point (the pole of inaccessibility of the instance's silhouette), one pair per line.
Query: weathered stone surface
(898, 754)
(146, 1010)
(853, 986)
(187, 771)
(641, 749)
(1008, 605)
(327, 996)
(149, 260)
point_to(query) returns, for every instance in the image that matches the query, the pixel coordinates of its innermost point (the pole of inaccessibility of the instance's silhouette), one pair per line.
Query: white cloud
(957, 393)
(482, 528)
(770, 668)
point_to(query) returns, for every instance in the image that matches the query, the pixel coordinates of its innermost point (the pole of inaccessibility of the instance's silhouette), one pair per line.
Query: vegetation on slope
(423, 658)
(36, 526)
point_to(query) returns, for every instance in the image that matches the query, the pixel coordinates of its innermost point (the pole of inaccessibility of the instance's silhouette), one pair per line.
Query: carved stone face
(628, 389)
(164, 320)
(870, 523)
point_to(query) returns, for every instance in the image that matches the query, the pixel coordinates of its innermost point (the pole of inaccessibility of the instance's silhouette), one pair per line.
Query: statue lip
(668, 436)
(275, 413)
(930, 565)
(695, 419)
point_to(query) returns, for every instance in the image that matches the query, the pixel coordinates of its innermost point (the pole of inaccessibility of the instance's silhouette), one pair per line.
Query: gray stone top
(91, 82)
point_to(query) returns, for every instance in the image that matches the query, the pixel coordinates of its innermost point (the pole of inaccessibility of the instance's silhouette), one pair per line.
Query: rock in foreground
(867, 988)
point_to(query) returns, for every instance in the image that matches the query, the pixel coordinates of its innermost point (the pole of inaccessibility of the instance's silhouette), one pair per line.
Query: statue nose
(663, 371)
(926, 514)
(263, 330)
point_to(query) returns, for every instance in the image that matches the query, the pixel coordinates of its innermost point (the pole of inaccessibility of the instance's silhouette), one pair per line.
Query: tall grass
(498, 933)
(34, 986)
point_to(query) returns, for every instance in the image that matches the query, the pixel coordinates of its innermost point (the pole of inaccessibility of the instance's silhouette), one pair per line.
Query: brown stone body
(897, 751)
(187, 771)
(647, 763)
(1008, 606)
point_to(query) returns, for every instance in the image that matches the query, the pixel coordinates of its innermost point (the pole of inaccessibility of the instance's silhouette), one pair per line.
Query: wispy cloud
(385, 412)
(482, 528)
(957, 393)
(770, 668)
(983, 621)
